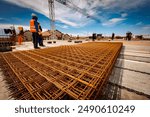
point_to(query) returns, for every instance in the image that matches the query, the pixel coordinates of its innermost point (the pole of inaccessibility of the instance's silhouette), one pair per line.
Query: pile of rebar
(6, 43)
(64, 72)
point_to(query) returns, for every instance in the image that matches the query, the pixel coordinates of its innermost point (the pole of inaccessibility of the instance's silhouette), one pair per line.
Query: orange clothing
(20, 39)
(32, 26)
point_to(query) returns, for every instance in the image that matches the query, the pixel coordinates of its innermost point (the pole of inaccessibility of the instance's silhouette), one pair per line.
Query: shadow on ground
(111, 91)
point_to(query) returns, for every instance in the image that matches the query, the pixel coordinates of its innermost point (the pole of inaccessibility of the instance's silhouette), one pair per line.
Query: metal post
(52, 17)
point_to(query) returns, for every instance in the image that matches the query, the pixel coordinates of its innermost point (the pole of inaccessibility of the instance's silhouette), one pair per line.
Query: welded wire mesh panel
(65, 72)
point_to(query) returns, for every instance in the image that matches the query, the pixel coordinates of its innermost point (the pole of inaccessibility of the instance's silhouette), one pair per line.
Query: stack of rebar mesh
(6, 43)
(64, 72)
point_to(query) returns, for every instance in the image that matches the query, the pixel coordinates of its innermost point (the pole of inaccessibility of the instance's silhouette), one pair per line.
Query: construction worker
(34, 30)
(40, 39)
(20, 35)
(113, 36)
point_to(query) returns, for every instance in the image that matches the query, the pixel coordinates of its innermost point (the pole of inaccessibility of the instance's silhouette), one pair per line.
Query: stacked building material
(6, 42)
(65, 72)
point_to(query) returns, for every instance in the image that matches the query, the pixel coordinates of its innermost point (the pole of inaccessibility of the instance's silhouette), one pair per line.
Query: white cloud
(62, 13)
(68, 16)
(62, 26)
(139, 23)
(124, 15)
(1, 18)
(122, 4)
(63, 20)
(113, 21)
(146, 27)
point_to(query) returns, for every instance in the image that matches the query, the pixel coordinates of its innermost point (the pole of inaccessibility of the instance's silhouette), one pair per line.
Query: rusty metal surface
(65, 72)
(7, 41)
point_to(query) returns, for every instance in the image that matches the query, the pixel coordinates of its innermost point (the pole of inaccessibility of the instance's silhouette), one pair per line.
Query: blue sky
(118, 16)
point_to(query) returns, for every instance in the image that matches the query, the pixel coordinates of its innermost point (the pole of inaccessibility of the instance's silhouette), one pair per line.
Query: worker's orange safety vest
(32, 26)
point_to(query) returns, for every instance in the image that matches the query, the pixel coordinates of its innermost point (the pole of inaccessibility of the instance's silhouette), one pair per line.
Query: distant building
(139, 37)
(99, 36)
(58, 35)
(143, 37)
(27, 36)
(120, 37)
(46, 35)
(66, 37)
(146, 36)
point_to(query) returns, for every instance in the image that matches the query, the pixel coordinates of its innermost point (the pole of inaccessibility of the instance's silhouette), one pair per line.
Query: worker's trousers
(40, 39)
(35, 39)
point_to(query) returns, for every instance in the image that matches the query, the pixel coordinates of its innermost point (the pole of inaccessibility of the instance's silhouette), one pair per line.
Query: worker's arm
(40, 28)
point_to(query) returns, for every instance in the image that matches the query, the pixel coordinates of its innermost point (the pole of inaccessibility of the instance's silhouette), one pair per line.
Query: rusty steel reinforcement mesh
(64, 72)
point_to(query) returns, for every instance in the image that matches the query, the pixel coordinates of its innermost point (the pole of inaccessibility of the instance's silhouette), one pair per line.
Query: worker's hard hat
(33, 15)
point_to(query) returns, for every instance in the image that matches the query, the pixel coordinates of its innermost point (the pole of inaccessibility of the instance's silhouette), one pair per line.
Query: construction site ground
(130, 77)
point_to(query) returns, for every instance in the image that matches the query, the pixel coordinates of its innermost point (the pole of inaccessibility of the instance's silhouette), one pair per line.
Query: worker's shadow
(112, 89)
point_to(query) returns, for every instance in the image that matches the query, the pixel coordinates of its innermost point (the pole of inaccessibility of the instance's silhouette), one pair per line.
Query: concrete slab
(136, 48)
(29, 45)
(128, 95)
(135, 58)
(130, 79)
(134, 51)
(137, 53)
(133, 65)
(113, 92)
(136, 81)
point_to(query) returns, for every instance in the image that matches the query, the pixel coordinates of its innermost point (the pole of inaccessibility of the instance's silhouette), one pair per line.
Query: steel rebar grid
(65, 72)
